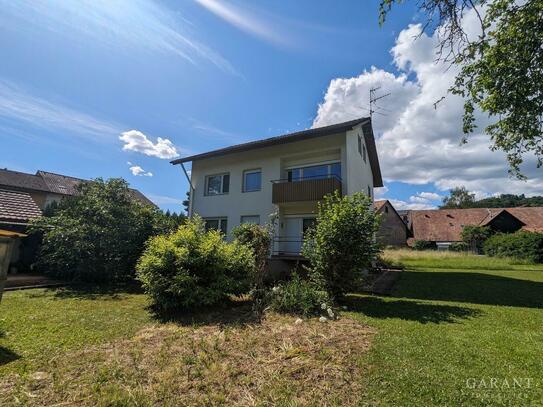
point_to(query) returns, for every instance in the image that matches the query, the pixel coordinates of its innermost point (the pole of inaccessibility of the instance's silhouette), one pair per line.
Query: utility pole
(373, 99)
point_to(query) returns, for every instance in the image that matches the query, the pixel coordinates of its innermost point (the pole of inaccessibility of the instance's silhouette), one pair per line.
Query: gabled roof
(378, 205)
(445, 225)
(22, 180)
(44, 181)
(17, 206)
(300, 136)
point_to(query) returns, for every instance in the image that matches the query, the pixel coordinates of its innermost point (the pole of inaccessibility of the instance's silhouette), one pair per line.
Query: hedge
(521, 245)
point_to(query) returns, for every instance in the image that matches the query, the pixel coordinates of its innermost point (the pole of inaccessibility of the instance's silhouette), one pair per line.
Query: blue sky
(115, 88)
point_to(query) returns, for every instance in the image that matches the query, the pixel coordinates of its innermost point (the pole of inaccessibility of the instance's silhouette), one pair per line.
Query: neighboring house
(46, 187)
(444, 226)
(286, 175)
(24, 196)
(392, 230)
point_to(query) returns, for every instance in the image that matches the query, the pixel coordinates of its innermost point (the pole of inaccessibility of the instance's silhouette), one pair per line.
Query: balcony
(306, 189)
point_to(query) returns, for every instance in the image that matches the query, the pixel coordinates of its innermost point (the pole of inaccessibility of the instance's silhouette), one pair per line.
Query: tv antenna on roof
(373, 99)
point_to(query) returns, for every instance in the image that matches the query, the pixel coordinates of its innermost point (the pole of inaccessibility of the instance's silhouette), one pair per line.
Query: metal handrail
(337, 177)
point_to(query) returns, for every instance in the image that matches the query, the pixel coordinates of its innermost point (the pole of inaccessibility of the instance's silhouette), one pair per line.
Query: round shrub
(191, 268)
(459, 247)
(300, 297)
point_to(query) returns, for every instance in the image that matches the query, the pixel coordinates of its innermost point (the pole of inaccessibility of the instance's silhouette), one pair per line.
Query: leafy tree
(186, 203)
(501, 69)
(342, 245)
(459, 198)
(97, 235)
(475, 236)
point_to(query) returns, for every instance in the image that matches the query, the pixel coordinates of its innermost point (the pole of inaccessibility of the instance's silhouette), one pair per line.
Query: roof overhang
(300, 136)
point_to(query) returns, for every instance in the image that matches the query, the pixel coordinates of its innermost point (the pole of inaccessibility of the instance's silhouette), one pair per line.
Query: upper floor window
(364, 152)
(386, 209)
(359, 145)
(332, 170)
(252, 180)
(217, 184)
(220, 224)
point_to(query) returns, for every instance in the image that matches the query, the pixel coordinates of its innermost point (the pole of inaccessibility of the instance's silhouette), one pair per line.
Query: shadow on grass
(235, 312)
(7, 356)
(469, 287)
(376, 307)
(94, 292)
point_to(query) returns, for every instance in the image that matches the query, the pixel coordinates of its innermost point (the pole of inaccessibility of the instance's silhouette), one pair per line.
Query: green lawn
(446, 328)
(36, 325)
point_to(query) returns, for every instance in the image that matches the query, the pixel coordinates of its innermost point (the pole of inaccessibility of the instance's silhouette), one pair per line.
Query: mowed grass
(37, 325)
(445, 329)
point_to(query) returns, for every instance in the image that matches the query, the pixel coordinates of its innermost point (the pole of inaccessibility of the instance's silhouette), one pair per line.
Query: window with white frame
(253, 219)
(217, 184)
(220, 224)
(252, 180)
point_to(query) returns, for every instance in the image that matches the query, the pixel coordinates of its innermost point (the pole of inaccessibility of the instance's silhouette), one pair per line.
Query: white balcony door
(293, 232)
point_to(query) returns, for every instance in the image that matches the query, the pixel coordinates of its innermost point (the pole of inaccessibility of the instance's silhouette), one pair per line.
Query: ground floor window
(220, 224)
(255, 219)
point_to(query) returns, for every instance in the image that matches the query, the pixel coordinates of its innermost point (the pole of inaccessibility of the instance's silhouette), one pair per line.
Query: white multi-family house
(286, 175)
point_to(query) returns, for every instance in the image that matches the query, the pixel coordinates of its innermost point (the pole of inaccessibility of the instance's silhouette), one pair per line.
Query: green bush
(191, 268)
(522, 245)
(342, 245)
(475, 236)
(424, 245)
(459, 247)
(98, 235)
(300, 297)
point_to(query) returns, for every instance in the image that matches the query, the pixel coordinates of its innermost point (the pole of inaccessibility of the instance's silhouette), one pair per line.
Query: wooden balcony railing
(304, 190)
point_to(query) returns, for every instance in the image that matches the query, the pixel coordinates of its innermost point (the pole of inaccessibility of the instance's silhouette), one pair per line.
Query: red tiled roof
(17, 206)
(378, 205)
(445, 225)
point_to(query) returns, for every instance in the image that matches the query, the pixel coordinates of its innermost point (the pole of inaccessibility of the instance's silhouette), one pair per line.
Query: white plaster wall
(359, 174)
(272, 161)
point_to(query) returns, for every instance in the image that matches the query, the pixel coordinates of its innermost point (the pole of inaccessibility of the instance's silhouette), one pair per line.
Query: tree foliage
(459, 198)
(97, 235)
(501, 69)
(522, 245)
(475, 236)
(192, 267)
(342, 245)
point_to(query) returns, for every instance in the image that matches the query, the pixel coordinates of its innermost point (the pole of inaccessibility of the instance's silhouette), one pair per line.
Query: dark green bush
(424, 245)
(459, 247)
(521, 245)
(300, 297)
(475, 236)
(191, 268)
(98, 235)
(342, 246)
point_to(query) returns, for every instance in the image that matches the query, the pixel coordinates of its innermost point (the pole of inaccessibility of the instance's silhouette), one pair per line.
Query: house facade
(444, 226)
(392, 229)
(285, 175)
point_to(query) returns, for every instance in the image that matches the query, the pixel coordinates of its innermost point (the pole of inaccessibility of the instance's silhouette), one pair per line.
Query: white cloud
(20, 105)
(141, 24)
(417, 143)
(165, 200)
(380, 192)
(244, 20)
(431, 196)
(138, 171)
(402, 205)
(137, 141)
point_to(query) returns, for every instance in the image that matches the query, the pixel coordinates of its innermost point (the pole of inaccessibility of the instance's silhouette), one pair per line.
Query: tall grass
(454, 260)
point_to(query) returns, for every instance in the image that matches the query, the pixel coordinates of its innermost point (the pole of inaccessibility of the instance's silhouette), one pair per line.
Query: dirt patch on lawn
(277, 362)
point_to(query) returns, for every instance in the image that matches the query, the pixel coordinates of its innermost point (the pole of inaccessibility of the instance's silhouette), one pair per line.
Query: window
(307, 224)
(220, 224)
(386, 209)
(217, 184)
(332, 170)
(254, 219)
(252, 180)
(364, 152)
(369, 191)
